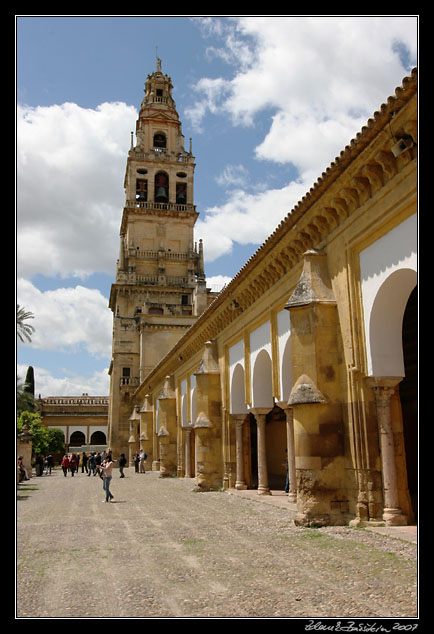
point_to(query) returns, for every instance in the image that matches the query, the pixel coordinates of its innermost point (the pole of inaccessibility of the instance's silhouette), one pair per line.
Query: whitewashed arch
(80, 428)
(184, 402)
(284, 341)
(262, 392)
(193, 399)
(385, 325)
(238, 398)
(388, 270)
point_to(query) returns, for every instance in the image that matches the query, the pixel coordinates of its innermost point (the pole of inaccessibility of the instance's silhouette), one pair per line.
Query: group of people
(139, 461)
(93, 464)
(96, 462)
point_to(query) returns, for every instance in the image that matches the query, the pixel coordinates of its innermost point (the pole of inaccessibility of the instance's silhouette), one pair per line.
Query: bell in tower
(161, 188)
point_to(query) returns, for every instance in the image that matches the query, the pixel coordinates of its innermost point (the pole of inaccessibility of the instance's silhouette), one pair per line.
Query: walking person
(49, 464)
(136, 459)
(84, 463)
(122, 463)
(91, 466)
(73, 464)
(142, 458)
(106, 469)
(98, 461)
(65, 464)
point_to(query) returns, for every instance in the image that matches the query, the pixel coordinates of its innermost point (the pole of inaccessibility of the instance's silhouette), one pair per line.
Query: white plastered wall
(388, 269)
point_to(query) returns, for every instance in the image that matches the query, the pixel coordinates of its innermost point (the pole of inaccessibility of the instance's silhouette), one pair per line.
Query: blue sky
(268, 101)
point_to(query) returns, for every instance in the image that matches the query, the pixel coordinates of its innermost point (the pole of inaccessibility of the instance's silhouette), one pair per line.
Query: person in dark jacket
(91, 467)
(122, 463)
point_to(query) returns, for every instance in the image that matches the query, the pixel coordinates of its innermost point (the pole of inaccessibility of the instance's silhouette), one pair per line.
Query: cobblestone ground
(161, 550)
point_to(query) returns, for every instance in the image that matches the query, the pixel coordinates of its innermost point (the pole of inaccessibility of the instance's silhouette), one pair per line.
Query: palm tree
(24, 330)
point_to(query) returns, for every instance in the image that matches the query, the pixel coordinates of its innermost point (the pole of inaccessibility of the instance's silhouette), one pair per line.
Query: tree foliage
(24, 330)
(45, 440)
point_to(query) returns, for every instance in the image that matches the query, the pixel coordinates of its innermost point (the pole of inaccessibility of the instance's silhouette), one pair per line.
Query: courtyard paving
(161, 550)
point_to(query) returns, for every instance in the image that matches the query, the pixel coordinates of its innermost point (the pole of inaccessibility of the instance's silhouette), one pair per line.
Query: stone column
(187, 456)
(289, 413)
(145, 438)
(260, 416)
(133, 440)
(167, 431)
(316, 397)
(25, 449)
(239, 449)
(384, 388)
(207, 426)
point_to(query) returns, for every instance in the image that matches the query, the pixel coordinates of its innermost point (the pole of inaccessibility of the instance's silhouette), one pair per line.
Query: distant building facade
(308, 355)
(82, 419)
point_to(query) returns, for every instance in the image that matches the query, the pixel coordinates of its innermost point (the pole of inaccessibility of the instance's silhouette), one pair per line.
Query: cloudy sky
(269, 102)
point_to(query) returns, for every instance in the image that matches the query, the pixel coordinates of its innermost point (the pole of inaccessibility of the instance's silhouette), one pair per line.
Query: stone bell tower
(160, 286)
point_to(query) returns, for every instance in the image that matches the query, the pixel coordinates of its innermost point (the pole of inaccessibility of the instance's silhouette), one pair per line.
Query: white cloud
(233, 175)
(323, 77)
(68, 385)
(67, 319)
(217, 282)
(246, 218)
(70, 168)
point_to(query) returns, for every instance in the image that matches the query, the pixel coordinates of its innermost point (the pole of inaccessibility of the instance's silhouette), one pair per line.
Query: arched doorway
(393, 353)
(98, 438)
(276, 448)
(408, 392)
(77, 439)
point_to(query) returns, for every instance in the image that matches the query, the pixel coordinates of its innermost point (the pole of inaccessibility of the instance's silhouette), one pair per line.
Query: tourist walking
(98, 461)
(106, 469)
(136, 459)
(65, 464)
(49, 464)
(73, 464)
(84, 462)
(122, 463)
(91, 465)
(142, 457)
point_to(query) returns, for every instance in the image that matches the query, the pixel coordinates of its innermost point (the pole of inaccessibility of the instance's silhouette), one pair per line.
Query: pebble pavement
(162, 550)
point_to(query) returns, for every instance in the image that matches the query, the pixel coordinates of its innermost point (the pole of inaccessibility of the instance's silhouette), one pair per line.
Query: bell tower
(160, 287)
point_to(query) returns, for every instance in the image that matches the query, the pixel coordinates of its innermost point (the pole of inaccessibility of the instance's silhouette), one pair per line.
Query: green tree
(45, 440)
(25, 400)
(24, 330)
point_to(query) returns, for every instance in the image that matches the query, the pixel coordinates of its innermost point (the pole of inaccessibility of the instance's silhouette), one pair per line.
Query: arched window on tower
(160, 140)
(181, 193)
(141, 189)
(161, 188)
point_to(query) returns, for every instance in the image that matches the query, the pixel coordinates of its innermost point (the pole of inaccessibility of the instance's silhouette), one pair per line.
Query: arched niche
(384, 345)
(238, 400)
(262, 395)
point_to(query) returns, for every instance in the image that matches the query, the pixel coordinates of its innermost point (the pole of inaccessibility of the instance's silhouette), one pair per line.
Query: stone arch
(385, 323)
(161, 187)
(98, 438)
(238, 399)
(262, 393)
(286, 378)
(193, 405)
(77, 438)
(184, 402)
